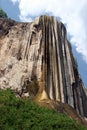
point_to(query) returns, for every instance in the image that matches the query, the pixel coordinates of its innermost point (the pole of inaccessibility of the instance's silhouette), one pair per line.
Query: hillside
(24, 114)
(37, 66)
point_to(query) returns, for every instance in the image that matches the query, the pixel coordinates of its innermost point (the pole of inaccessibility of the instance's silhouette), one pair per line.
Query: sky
(72, 13)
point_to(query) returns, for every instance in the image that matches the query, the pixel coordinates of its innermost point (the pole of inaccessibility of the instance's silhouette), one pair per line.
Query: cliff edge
(36, 60)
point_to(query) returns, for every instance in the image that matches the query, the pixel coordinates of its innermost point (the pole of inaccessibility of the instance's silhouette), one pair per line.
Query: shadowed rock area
(36, 60)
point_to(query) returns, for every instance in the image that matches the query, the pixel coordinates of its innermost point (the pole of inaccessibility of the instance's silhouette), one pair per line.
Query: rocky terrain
(36, 61)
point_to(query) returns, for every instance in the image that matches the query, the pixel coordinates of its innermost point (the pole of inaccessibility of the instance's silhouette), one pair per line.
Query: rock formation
(36, 60)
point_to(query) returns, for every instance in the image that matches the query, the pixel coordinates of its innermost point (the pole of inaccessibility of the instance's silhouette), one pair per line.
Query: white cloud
(14, 1)
(72, 12)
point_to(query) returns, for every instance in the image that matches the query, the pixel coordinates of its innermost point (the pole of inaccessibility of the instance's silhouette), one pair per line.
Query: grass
(24, 114)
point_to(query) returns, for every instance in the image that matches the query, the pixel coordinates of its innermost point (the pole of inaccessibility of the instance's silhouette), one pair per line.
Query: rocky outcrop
(36, 60)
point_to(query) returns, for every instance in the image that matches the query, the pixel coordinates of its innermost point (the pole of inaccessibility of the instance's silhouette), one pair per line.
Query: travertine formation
(36, 60)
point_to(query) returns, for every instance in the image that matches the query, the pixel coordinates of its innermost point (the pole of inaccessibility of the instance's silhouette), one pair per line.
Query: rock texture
(36, 60)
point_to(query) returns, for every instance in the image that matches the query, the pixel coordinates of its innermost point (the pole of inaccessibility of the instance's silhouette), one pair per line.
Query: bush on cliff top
(23, 114)
(3, 14)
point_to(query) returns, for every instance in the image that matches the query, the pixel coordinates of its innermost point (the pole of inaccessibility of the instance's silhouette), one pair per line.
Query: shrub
(3, 14)
(24, 114)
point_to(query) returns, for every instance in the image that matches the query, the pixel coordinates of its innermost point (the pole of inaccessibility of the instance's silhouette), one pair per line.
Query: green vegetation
(23, 114)
(3, 14)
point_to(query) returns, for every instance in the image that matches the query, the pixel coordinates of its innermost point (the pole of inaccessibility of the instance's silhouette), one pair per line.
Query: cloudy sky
(73, 13)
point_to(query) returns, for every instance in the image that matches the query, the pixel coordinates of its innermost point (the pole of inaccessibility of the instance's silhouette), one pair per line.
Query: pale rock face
(38, 54)
(17, 57)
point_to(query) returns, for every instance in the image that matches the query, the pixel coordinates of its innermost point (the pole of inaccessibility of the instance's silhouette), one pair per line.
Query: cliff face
(36, 60)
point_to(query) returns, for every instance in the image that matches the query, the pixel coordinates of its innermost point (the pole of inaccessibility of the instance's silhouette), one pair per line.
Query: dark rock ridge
(36, 60)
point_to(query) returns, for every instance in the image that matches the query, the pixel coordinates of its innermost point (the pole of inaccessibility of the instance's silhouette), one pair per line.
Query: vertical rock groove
(61, 78)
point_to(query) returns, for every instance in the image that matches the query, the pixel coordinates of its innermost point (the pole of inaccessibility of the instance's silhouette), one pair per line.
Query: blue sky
(10, 9)
(72, 13)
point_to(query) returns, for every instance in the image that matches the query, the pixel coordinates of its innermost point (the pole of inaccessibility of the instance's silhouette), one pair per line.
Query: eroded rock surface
(36, 59)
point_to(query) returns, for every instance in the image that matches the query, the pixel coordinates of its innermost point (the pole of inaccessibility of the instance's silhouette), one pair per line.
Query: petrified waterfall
(39, 54)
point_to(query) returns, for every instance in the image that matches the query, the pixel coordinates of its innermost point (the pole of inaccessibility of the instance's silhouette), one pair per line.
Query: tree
(3, 14)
